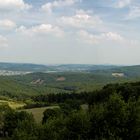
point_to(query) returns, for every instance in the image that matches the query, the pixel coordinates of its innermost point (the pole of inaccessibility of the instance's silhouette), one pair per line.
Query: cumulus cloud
(87, 37)
(122, 3)
(103, 37)
(13, 5)
(42, 29)
(82, 19)
(48, 7)
(3, 41)
(7, 24)
(134, 13)
(112, 36)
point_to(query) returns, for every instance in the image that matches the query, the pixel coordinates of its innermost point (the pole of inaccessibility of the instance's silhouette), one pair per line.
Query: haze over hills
(26, 67)
(60, 67)
(69, 69)
(29, 79)
(21, 67)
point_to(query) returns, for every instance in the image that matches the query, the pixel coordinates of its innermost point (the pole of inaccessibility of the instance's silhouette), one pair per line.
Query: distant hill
(104, 70)
(45, 79)
(128, 71)
(52, 68)
(131, 71)
(82, 67)
(22, 67)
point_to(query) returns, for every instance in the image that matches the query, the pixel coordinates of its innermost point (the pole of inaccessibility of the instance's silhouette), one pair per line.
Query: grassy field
(12, 104)
(38, 112)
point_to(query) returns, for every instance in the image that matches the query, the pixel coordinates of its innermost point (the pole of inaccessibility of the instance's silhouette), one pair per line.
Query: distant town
(10, 73)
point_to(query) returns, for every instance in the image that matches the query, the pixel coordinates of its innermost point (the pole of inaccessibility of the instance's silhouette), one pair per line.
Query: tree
(13, 120)
(70, 105)
(50, 114)
(77, 126)
(3, 110)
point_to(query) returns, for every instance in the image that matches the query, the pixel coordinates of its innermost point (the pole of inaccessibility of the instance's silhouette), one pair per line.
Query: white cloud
(87, 37)
(13, 5)
(42, 29)
(134, 13)
(82, 19)
(101, 38)
(48, 7)
(123, 3)
(3, 41)
(7, 24)
(112, 36)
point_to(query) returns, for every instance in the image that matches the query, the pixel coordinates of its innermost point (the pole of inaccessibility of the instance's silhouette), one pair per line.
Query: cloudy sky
(70, 31)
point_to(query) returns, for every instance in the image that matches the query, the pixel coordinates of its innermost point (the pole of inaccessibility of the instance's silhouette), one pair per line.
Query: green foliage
(77, 126)
(70, 105)
(50, 114)
(113, 114)
(12, 119)
(54, 129)
(24, 86)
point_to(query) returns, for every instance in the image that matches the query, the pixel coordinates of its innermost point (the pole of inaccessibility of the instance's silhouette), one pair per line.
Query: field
(12, 104)
(38, 112)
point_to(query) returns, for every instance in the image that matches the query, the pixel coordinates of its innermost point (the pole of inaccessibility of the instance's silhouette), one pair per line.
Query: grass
(84, 107)
(12, 104)
(3, 139)
(38, 112)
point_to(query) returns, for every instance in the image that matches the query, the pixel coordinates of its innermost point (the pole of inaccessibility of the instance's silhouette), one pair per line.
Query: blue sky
(70, 31)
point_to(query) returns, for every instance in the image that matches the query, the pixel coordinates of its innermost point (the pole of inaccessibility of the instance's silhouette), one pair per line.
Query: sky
(70, 31)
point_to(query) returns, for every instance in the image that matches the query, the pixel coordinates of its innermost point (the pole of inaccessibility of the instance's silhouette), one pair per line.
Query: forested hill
(58, 79)
(112, 113)
(128, 71)
(52, 68)
(22, 67)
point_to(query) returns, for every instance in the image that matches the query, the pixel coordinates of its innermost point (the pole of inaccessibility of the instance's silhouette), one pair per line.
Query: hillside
(25, 67)
(128, 71)
(21, 67)
(52, 68)
(64, 82)
(112, 113)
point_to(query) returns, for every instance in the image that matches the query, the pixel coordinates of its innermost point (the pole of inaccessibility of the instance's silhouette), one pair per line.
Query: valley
(70, 91)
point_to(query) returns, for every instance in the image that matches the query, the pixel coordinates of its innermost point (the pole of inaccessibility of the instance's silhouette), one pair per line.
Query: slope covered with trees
(24, 86)
(113, 113)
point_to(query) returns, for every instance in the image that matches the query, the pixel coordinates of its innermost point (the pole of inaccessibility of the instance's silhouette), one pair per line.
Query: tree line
(113, 113)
